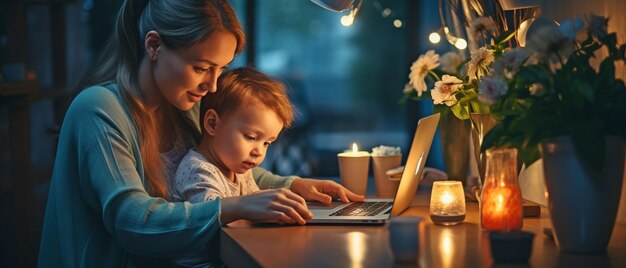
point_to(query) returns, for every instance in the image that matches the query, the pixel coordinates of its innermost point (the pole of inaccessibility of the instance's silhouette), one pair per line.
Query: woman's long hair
(180, 24)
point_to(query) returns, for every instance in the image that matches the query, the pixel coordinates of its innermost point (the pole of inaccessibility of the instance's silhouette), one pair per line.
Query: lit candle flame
(446, 198)
(354, 148)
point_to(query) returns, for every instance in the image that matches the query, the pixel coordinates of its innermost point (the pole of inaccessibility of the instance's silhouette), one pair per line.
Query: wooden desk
(464, 245)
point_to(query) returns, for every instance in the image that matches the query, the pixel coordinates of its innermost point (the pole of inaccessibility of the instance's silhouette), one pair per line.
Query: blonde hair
(244, 86)
(180, 24)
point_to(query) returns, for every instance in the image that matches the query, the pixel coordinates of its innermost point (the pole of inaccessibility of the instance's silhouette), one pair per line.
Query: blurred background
(345, 80)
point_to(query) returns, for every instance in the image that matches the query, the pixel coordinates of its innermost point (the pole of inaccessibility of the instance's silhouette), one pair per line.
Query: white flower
(444, 90)
(420, 68)
(491, 89)
(383, 150)
(597, 25)
(478, 66)
(551, 44)
(537, 89)
(574, 29)
(450, 62)
(507, 64)
(481, 25)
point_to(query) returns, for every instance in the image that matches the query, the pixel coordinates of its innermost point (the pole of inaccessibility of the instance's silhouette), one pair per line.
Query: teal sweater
(99, 213)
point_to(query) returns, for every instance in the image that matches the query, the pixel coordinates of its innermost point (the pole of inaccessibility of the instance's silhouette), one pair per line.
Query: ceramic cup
(385, 187)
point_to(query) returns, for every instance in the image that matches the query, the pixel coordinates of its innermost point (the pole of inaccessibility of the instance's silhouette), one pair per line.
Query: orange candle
(501, 208)
(501, 198)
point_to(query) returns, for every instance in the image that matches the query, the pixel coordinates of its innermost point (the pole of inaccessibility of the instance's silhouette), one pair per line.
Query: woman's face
(242, 137)
(184, 75)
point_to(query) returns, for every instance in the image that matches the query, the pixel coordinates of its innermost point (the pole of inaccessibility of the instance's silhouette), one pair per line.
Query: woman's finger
(289, 212)
(292, 200)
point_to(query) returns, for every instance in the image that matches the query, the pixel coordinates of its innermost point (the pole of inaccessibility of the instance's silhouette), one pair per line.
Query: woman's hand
(323, 191)
(275, 205)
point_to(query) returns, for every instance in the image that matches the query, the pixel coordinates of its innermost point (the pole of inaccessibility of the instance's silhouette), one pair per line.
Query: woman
(124, 135)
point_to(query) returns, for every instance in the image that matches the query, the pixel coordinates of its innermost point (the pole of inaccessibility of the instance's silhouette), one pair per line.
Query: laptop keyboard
(364, 209)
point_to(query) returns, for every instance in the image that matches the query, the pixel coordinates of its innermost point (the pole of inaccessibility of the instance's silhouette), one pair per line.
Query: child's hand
(323, 191)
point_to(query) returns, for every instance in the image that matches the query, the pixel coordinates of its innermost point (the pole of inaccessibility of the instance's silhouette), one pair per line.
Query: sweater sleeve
(112, 183)
(266, 180)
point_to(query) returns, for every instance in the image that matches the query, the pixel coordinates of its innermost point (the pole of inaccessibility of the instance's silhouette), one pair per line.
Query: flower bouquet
(563, 103)
(550, 89)
(456, 82)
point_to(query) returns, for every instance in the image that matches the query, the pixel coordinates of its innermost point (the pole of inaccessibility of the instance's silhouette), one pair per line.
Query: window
(344, 81)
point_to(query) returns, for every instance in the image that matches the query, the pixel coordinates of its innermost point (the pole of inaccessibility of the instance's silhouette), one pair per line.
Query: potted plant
(559, 106)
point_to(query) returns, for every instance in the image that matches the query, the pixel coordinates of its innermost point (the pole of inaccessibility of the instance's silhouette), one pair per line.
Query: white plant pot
(583, 202)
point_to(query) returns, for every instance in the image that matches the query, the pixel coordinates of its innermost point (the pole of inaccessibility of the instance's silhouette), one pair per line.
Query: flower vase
(481, 124)
(582, 201)
(454, 135)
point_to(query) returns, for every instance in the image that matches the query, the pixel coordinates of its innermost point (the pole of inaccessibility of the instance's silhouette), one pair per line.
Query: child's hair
(244, 86)
(180, 24)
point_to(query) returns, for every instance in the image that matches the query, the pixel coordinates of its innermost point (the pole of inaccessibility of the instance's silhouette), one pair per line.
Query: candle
(501, 199)
(354, 152)
(447, 203)
(354, 169)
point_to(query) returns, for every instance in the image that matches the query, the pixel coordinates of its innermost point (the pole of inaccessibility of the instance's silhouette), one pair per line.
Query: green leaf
(479, 107)
(584, 89)
(441, 109)
(460, 111)
(607, 69)
(504, 37)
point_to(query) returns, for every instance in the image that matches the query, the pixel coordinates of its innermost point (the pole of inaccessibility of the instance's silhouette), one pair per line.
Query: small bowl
(515, 246)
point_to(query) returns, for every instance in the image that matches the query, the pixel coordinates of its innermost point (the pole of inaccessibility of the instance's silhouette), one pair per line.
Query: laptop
(378, 211)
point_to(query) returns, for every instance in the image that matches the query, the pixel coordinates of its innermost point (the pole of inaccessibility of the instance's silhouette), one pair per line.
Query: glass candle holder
(501, 198)
(447, 203)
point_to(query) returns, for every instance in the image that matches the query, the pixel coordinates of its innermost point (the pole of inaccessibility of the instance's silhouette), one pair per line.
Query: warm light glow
(501, 208)
(460, 44)
(397, 23)
(434, 37)
(354, 148)
(446, 248)
(500, 203)
(386, 12)
(446, 198)
(347, 20)
(356, 247)
(447, 202)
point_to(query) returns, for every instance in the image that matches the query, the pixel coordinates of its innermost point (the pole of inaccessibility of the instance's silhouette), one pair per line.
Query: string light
(434, 37)
(397, 23)
(347, 20)
(460, 43)
(386, 12)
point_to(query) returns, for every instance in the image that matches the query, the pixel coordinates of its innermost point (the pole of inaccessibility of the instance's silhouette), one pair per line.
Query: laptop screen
(414, 167)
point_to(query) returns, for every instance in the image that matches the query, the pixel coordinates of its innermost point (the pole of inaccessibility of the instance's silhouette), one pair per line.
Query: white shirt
(197, 180)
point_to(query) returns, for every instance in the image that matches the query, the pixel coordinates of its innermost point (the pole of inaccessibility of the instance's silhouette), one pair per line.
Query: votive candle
(447, 203)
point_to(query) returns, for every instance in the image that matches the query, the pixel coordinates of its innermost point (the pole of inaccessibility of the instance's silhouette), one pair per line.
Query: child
(239, 122)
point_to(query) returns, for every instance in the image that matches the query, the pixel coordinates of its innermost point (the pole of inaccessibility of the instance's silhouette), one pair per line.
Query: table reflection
(356, 242)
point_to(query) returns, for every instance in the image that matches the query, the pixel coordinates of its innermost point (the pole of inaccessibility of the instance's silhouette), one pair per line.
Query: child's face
(184, 75)
(242, 137)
